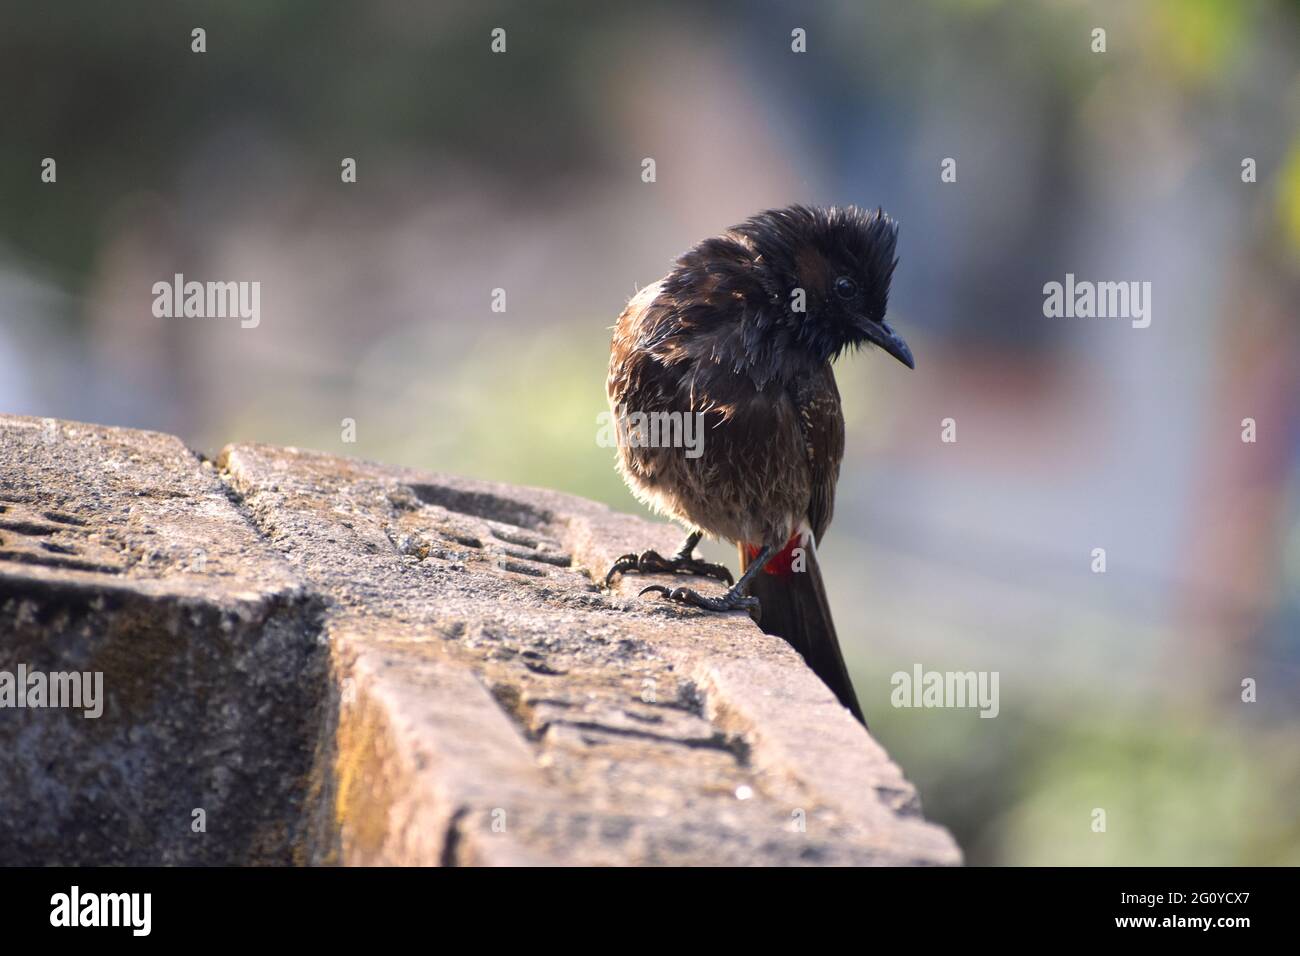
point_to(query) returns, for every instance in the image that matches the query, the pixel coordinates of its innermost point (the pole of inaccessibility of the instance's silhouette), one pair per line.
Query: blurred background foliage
(521, 171)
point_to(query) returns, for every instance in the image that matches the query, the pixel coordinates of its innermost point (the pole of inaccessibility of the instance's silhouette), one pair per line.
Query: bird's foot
(680, 563)
(732, 600)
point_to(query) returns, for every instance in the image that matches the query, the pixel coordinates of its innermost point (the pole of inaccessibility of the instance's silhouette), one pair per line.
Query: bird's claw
(653, 561)
(730, 601)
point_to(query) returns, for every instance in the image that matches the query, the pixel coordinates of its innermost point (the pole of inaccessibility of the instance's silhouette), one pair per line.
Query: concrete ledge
(426, 660)
(121, 554)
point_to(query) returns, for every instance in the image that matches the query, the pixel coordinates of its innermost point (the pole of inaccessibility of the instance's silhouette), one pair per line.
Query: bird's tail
(794, 607)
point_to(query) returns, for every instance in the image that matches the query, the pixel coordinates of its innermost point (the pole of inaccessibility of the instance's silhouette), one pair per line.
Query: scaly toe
(730, 601)
(626, 563)
(705, 569)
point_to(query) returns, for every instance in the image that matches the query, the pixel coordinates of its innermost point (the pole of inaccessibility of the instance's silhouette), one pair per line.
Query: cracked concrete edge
(401, 774)
(417, 742)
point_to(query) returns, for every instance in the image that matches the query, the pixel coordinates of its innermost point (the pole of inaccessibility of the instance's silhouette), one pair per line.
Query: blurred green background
(522, 171)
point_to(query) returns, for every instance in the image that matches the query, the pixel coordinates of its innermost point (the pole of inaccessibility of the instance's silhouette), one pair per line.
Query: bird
(740, 338)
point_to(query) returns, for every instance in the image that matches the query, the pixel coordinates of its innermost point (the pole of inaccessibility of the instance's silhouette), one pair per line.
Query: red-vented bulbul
(742, 332)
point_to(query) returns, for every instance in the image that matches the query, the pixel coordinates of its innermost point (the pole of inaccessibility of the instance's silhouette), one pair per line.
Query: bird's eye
(845, 287)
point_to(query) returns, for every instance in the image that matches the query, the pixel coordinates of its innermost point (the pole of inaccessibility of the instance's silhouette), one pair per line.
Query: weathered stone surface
(121, 553)
(598, 727)
(376, 665)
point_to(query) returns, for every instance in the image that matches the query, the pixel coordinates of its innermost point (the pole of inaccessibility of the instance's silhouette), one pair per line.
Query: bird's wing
(821, 421)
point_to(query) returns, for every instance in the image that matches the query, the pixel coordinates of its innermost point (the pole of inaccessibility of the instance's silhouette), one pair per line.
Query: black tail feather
(794, 607)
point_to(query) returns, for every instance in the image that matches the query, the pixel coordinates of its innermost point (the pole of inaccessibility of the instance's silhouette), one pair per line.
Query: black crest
(795, 283)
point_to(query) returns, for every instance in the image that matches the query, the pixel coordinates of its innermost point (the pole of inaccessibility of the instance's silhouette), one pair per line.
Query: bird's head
(827, 272)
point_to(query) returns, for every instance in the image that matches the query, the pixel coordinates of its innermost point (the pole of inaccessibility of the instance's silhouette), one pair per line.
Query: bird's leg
(736, 597)
(683, 562)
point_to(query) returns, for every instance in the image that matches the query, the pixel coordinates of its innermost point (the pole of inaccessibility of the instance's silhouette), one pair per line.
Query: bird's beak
(878, 333)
